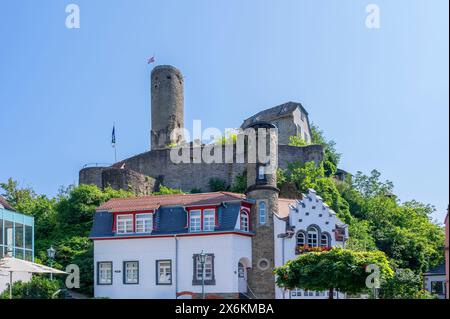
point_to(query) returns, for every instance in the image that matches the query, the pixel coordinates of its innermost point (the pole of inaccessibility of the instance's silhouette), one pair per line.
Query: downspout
(282, 260)
(176, 266)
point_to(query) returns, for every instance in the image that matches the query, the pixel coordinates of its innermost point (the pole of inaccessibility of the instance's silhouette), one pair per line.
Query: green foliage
(230, 138)
(341, 269)
(310, 175)
(330, 168)
(195, 190)
(297, 140)
(240, 183)
(216, 184)
(163, 190)
(37, 288)
(405, 284)
(64, 222)
(331, 154)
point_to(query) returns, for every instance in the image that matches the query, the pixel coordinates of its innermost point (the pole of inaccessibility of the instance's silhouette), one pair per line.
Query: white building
(149, 247)
(309, 223)
(434, 281)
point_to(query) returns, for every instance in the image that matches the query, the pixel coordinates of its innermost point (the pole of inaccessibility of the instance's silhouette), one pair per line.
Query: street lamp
(202, 262)
(51, 255)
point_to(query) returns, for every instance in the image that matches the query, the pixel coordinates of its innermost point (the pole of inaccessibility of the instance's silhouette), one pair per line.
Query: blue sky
(381, 94)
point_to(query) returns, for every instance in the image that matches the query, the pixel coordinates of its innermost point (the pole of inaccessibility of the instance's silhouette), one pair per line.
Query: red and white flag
(151, 60)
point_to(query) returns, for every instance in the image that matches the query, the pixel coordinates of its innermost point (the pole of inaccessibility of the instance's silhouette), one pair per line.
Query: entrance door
(242, 278)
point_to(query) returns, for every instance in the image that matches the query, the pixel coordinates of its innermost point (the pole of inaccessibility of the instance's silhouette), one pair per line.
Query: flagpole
(113, 141)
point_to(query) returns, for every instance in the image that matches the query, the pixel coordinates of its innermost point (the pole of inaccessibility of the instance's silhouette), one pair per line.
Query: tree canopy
(341, 269)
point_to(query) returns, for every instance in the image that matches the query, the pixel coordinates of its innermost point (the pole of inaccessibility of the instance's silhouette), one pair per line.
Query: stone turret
(262, 187)
(167, 104)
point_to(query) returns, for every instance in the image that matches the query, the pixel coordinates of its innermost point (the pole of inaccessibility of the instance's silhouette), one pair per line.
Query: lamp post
(51, 255)
(202, 262)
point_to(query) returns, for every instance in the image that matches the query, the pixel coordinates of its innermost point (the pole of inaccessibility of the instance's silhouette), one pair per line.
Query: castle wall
(186, 176)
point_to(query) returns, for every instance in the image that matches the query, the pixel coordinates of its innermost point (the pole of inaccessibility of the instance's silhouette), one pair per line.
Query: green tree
(163, 190)
(341, 269)
(297, 140)
(240, 183)
(405, 284)
(37, 288)
(331, 154)
(217, 184)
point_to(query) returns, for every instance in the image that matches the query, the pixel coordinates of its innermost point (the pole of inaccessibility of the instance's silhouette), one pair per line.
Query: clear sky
(381, 94)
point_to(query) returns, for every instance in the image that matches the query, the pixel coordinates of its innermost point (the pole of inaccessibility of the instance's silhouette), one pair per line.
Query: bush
(217, 185)
(37, 288)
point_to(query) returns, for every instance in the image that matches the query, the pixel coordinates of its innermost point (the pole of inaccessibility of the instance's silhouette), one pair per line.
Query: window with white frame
(164, 272)
(104, 273)
(131, 272)
(262, 213)
(208, 270)
(144, 223)
(313, 235)
(195, 223)
(300, 239)
(324, 241)
(209, 219)
(244, 221)
(124, 224)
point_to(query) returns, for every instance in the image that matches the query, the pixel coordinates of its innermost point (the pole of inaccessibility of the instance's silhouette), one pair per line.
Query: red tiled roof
(155, 201)
(5, 204)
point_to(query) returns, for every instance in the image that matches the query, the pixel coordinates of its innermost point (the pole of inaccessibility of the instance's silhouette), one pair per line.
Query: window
(163, 272)
(262, 213)
(261, 172)
(244, 221)
(130, 272)
(313, 235)
(437, 287)
(195, 221)
(324, 242)
(144, 223)
(300, 239)
(104, 273)
(209, 219)
(208, 270)
(124, 224)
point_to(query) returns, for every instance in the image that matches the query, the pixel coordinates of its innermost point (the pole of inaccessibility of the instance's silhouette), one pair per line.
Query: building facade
(16, 239)
(447, 267)
(304, 225)
(151, 246)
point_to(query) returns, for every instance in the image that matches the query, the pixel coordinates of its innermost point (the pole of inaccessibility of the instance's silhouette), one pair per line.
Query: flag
(113, 137)
(151, 60)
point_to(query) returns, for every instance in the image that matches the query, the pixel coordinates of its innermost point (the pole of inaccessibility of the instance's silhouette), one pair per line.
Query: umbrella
(11, 264)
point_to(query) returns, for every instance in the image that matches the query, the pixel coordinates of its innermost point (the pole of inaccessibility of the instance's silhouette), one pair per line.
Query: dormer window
(202, 220)
(124, 224)
(144, 223)
(195, 223)
(209, 219)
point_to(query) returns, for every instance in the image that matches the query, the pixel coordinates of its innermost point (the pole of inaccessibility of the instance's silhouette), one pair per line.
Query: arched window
(300, 238)
(262, 213)
(244, 221)
(313, 236)
(324, 240)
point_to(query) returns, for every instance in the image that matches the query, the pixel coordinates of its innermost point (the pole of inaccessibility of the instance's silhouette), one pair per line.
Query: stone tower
(262, 187)
(167, 103)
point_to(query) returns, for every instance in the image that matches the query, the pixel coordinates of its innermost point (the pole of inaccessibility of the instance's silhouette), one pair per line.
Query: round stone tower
(262, 187)
(167, 103)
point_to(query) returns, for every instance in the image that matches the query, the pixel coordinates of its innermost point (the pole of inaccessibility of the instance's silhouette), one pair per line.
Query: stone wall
(126, 179)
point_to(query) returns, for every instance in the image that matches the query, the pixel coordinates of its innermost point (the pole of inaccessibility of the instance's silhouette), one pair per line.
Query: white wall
(228, 249)
(17, 276)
